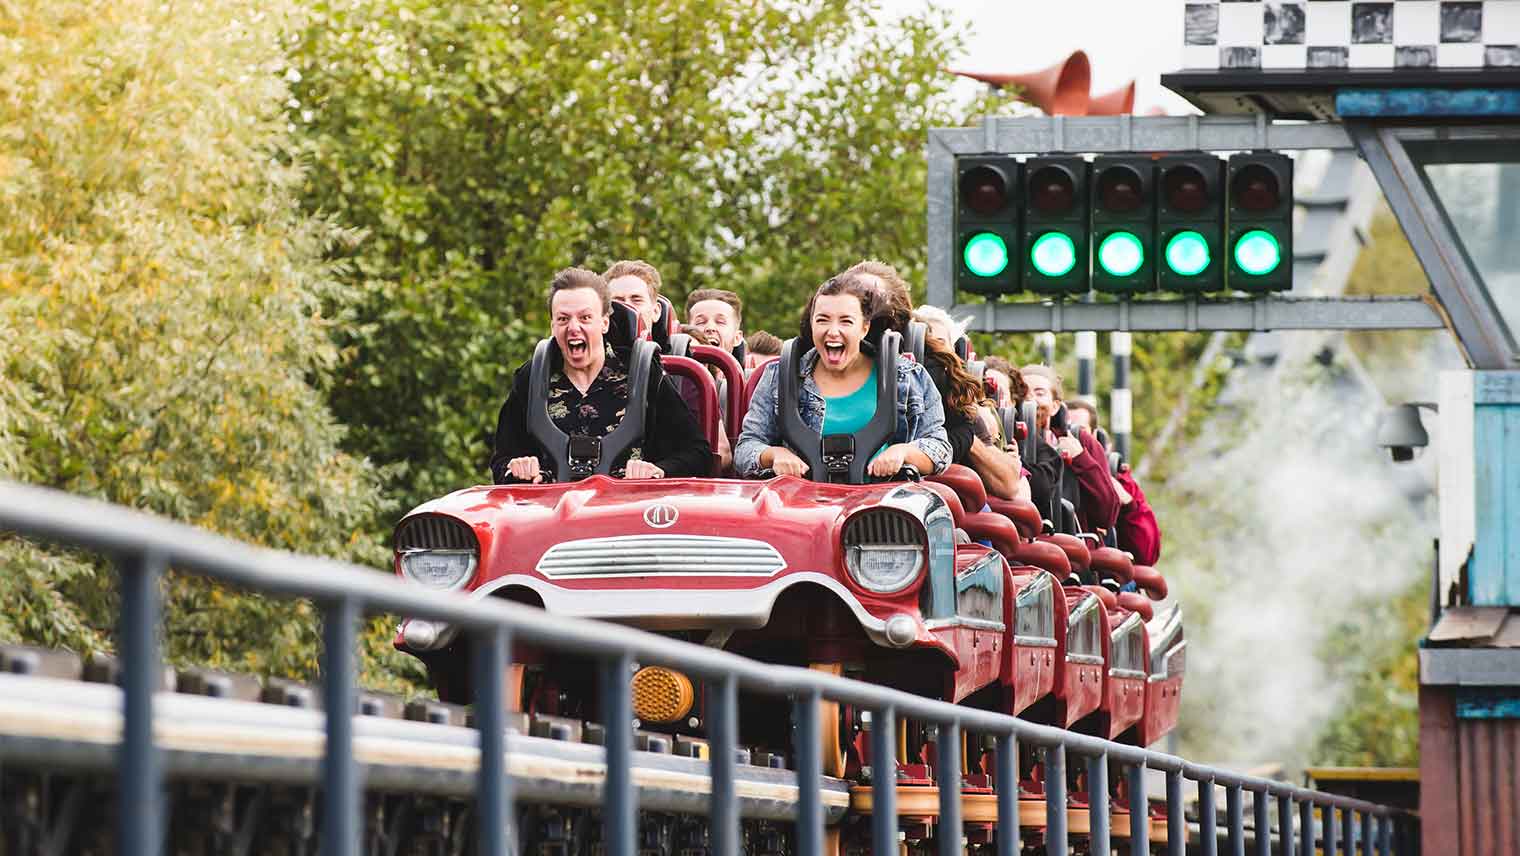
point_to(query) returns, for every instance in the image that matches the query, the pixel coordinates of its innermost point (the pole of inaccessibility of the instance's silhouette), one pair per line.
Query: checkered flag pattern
(1299, 34)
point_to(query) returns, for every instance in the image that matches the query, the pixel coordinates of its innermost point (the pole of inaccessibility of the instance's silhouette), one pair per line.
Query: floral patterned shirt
(599, 410)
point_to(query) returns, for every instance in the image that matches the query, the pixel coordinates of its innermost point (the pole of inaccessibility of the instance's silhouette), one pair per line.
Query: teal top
(847, 414)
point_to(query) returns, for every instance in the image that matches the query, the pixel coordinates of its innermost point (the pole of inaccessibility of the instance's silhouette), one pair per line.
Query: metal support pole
(723, 742)
(1087, 358)
(1120, 403)
(1208, 819)
(495, 833)
(1367, 839)
(1306, 845)
(1385, 836)
(139, 823)
(619, 802)
(950, 831)
(1007, 782)
(341, 791)
(1176, 819)
(1285, 826)
(1055, 801)
(1348, 832)
(884, 782)
(809, 770)
(1139, 813)
(1261, 806)
(1327, 838)
(1097, 803)
(1234, 811)
(1046, 342)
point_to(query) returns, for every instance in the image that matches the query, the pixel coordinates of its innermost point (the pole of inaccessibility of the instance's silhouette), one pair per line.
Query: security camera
(1401, 432)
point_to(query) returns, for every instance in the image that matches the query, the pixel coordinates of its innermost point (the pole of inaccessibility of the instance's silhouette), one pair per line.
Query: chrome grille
(683, 555)
(434, 532)
(883, 527)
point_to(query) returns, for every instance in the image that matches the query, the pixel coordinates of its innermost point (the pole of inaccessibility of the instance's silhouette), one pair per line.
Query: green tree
(161, 315)
(757, 147)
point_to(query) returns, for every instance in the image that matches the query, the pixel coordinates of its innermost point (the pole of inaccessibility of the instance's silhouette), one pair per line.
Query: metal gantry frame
(1109, 134)
(145, 546)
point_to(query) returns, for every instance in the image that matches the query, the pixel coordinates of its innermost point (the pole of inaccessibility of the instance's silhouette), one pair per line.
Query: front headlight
(439, 569)
(883, 550)
(883, 569)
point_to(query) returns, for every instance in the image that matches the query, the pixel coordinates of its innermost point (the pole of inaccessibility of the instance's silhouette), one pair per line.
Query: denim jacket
(920, 414)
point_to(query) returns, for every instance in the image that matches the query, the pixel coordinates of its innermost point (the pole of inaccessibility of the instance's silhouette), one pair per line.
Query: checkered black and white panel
(1311, 34)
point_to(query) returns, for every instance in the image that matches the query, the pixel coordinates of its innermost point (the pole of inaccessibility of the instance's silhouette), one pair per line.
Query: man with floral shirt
(587, 394)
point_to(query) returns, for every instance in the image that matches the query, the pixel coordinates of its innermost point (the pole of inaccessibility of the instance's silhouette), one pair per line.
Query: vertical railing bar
(809, 770)
(1385, 836)
(493, 795)
(1208, 825)
(884, 782)
(1261, 810)
(1097, 803)
(139, 824)
(1234, 813)
(1139, 813)
(950, 830)
(620, 803)
(1306, 844)
(1007, 780)
(1055, 801)
(1285, 840)
(723, 743)
(1176, 820)
(1367, 833)
(1327, 839)
(1348, 832)
(340, 774)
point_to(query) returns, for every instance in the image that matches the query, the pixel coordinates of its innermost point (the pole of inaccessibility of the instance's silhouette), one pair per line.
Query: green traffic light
(1187, 253)
(986, 254)
(1053, 254)
(1257, 252)
(1121, 254)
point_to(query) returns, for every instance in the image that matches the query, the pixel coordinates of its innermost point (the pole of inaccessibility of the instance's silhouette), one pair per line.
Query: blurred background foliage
(267, 267)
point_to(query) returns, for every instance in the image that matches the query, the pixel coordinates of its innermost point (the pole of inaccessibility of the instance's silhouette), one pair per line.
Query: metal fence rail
(143, 546)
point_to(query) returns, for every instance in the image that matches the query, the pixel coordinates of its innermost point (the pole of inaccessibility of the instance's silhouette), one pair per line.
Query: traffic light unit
(1124, 224)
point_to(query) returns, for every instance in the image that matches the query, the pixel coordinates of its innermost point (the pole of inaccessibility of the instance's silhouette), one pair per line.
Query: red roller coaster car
(925, 586)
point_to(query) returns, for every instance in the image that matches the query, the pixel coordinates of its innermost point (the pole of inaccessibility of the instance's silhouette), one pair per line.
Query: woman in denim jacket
(838, 393)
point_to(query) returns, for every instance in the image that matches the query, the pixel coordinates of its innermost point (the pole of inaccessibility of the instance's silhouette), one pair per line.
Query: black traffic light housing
(987, 193)
(1123, 205)
(1190, 194)
(1055, 242)
(1260, 222)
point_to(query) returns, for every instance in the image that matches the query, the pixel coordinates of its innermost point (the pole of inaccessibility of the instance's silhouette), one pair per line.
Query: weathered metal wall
(1488, 784)
(1470, 776)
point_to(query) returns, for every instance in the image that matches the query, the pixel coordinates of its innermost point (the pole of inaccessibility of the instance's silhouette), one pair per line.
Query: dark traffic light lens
(1255, 188)
(1051, 190)
(1186, 191)
(1119, 189)
(984, 189)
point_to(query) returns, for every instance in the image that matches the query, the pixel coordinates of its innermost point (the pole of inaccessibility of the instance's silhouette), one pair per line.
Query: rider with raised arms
(838, 394)
(588, 395)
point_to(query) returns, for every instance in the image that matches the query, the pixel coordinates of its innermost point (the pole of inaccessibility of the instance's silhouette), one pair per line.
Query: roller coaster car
(834, 573)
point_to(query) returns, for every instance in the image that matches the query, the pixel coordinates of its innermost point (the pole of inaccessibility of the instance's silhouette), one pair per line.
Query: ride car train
(921, 583)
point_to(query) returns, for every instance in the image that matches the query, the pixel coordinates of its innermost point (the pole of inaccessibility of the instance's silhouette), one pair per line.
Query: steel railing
(144, 546)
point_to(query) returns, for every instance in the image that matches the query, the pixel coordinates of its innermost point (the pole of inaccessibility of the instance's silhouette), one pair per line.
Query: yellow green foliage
(161, 324)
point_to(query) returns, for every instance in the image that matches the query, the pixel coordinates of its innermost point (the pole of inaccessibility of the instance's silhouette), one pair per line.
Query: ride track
(49, 728)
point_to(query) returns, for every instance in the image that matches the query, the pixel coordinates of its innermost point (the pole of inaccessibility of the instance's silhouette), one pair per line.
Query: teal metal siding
(1494, 575)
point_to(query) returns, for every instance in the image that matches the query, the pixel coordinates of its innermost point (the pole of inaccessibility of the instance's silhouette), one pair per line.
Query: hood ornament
(660, 515)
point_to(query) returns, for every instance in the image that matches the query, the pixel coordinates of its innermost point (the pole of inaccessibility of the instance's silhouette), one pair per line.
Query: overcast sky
(1124, 39)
